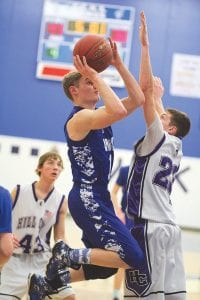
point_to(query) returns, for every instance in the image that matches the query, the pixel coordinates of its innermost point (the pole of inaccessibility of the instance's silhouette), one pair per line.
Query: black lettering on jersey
(26, 222)
(34, 222)
(19, 225)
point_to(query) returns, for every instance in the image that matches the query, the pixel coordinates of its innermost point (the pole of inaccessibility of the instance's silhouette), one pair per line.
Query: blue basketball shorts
(92, 210)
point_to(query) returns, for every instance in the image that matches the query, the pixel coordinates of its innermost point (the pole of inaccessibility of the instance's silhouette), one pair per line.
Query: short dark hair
(70, 79)
(181, 121)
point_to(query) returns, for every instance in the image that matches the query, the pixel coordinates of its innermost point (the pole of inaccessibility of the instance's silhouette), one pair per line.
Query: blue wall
(35, 108)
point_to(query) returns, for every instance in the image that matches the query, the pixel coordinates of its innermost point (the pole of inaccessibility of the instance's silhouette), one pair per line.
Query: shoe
(60, 260)
(61, 279)
(38, 287)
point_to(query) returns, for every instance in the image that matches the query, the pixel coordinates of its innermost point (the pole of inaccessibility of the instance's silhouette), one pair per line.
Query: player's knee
(97, 272)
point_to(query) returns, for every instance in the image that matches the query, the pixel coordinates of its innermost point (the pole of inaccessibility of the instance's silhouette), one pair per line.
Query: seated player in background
(38, 208)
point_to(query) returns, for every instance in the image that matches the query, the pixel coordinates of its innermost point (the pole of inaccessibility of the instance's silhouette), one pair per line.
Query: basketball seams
(93, 48)
(97, 57)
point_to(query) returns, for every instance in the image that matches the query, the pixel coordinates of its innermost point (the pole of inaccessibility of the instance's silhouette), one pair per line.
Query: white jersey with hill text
(33, 218)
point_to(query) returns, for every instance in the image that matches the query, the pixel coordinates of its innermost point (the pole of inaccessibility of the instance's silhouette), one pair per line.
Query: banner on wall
(185, 75)
(64, 22)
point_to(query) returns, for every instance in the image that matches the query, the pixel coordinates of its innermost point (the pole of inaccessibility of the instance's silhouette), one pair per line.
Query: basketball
(97, 51)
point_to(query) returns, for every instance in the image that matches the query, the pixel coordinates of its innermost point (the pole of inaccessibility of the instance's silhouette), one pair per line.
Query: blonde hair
(70, 79)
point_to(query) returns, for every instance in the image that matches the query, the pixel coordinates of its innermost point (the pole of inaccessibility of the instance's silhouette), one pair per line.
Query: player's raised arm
(135, 96)
(112, 102)
(158, 94)
(86, 95)
(146, 75)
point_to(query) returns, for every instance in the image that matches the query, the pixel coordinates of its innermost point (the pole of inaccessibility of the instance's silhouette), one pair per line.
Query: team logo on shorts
(136, 277)
(137, 281)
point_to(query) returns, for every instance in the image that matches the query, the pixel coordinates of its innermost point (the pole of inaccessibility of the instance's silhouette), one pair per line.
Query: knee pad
(98, 272)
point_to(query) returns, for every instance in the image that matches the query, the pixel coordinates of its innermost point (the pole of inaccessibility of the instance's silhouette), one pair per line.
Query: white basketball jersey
(32, 218)
(150, 181)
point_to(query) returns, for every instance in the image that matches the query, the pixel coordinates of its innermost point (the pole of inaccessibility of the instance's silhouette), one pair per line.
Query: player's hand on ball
(83, 68)
(116, 59)
(96, 50)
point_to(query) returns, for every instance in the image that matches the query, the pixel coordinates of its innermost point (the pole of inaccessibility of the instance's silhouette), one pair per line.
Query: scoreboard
(64, 22)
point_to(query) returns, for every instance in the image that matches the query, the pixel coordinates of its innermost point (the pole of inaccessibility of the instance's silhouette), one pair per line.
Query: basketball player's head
(176, 122)
(80, 90)
(48, 156)
(70, 80)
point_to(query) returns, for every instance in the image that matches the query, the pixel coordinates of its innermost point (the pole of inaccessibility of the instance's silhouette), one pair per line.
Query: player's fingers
(77, 62)
(74, 59)
(84, 61)
(114, 46)
(111, 42)
(142, 16)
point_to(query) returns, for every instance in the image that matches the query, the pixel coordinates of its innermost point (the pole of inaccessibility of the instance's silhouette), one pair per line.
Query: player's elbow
(122, 112)
(118, 112)
(140, 100)
(137, 100)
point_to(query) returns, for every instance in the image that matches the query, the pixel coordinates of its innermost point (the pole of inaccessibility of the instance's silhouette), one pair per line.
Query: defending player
(38, 208)
(156, 162)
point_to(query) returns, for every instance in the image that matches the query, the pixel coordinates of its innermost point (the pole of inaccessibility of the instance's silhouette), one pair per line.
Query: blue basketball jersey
(89, 199)
(122, 181)
(5, 210)
(91, 158)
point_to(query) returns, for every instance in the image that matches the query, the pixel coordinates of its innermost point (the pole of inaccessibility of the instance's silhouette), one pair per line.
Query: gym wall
(33, 111)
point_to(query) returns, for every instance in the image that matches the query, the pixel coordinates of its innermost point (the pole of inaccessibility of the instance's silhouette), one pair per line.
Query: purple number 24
(165, 177)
